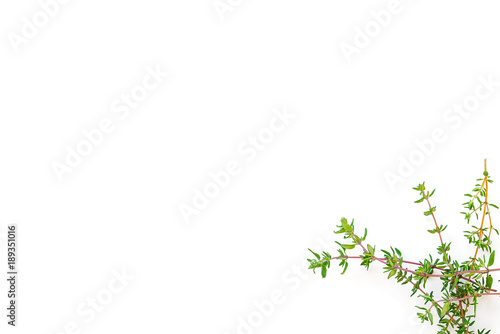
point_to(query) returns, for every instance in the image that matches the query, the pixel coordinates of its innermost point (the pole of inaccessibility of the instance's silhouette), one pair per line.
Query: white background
(353, 121)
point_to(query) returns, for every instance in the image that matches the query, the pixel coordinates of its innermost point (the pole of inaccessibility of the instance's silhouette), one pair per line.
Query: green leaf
(438, 310)
(323, 270)
(431, 318)
(371, 250)
(493, 205)
(346, 225)
(315, 254)
(489, 282)
(446, 308)
(345, 268)
(492, 259)
(348, 246)
(419, 200)
(398, 251)
(455, 283)
(393, 272)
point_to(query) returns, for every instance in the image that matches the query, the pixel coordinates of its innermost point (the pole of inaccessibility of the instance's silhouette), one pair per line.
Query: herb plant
(463, 283)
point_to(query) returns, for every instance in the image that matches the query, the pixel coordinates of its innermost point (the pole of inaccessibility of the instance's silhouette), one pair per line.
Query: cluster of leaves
(478, 206)
(323, 261)
(463, 283)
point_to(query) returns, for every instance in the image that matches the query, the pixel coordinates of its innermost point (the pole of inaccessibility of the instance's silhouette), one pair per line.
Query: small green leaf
(315, 254)
(493, 205)
(346, 225)
(345, 268)
(489, 282)
(492, 259)
(446, 308)
(455, 283)
(398, 251)
(323, 270)
(393, 272)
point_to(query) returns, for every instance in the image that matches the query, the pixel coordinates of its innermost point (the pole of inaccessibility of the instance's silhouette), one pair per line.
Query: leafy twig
(463, 283)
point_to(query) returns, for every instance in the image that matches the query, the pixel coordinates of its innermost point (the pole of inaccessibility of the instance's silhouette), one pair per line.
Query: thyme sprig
(463, 283)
